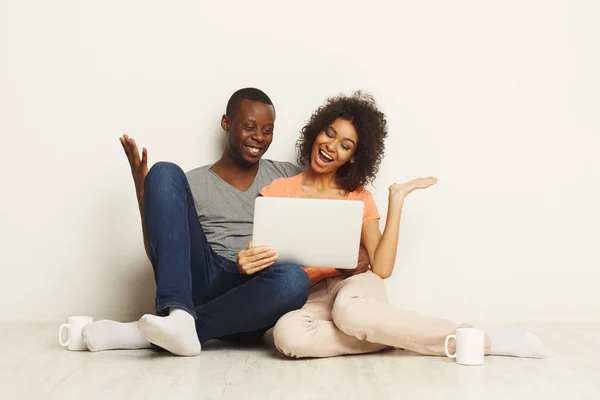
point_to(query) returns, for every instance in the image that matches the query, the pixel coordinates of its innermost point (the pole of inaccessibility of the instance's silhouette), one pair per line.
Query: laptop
(309, 232)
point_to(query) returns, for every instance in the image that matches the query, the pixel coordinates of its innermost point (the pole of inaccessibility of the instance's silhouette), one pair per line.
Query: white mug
(74, 326)
(470, 346)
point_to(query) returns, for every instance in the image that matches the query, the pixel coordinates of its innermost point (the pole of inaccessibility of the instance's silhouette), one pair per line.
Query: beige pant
(353, 316)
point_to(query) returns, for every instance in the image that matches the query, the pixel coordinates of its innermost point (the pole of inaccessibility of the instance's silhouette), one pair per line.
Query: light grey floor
(34, 366)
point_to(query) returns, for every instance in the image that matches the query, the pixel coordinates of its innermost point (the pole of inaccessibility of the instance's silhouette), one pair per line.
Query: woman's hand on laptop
(255, 259)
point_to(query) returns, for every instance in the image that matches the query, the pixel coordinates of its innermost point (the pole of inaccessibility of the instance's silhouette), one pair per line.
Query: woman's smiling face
(334, 146)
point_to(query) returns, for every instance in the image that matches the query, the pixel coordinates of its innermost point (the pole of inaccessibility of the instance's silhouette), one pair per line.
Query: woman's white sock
(516, 343)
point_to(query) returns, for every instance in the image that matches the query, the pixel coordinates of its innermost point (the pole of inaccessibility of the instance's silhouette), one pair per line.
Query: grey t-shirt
(227, 214)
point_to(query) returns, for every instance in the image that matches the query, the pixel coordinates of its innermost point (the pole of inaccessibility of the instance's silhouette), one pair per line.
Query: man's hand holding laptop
(255, 259)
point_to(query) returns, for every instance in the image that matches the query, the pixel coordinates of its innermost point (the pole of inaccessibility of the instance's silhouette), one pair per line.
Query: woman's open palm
(404, 189)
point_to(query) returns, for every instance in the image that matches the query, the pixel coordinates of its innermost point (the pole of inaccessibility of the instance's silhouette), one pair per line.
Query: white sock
(113, 335)
(516, 343)
(175, 333)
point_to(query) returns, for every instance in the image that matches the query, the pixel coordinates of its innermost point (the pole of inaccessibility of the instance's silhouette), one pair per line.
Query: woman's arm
(382, 248)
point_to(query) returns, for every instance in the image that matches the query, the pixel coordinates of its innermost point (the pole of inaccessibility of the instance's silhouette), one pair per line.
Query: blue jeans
(191, 276)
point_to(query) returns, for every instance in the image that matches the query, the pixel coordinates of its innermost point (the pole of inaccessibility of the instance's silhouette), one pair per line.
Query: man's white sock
(175, 333)
(113, 335)
(516, 343)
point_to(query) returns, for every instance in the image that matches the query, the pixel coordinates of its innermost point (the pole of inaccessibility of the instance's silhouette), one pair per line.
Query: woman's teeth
(326, 156)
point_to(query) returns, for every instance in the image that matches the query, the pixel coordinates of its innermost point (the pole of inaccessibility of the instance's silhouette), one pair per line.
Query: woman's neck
(320, 182)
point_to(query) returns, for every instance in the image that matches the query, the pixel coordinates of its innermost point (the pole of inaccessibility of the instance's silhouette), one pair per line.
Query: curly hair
(371, 126)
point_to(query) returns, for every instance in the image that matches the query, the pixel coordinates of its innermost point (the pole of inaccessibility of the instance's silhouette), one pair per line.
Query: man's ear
(225, 123)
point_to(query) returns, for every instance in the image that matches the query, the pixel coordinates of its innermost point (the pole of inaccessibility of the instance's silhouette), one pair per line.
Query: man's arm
(139, 170)
(285, 169)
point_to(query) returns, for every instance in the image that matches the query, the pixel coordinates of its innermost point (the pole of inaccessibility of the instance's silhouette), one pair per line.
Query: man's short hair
(252, 94)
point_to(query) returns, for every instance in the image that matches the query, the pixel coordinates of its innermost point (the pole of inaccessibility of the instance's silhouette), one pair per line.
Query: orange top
(292, 187)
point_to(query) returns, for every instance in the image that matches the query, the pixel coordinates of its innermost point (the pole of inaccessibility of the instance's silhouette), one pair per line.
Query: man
(210, 282)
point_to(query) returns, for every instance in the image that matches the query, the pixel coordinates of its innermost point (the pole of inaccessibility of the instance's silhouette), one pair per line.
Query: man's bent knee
(162, 171)
(293, 285)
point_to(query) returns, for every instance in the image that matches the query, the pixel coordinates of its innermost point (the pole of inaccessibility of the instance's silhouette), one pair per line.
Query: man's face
(250, 132)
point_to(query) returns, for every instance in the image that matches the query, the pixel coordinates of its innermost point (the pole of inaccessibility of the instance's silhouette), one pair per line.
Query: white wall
(497, 99)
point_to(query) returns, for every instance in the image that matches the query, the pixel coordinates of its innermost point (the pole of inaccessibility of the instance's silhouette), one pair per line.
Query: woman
(342, 146)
